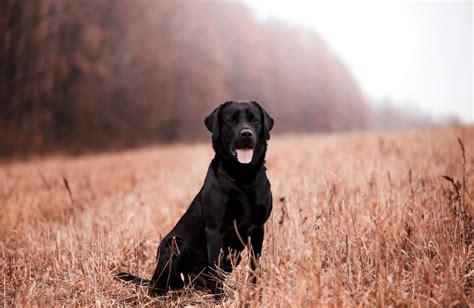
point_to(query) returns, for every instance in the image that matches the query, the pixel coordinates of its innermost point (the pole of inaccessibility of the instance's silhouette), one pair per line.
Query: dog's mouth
(243, 156)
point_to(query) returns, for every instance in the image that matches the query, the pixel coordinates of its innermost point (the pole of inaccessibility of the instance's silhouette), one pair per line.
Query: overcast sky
(412, 52)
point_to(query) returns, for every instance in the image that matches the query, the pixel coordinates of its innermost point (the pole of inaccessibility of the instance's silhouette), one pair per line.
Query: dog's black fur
(229, 211)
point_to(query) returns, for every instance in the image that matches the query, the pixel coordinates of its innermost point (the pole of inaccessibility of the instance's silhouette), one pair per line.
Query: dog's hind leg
(169, 268)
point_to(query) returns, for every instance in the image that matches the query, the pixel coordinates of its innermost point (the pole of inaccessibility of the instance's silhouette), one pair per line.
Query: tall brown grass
(360, 218)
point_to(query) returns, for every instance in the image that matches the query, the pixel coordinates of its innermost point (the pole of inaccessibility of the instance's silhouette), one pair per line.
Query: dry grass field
(358, 219)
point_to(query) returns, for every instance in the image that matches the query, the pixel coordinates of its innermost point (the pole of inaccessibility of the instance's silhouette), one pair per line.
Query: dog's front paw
(217, 290)
(219, 297)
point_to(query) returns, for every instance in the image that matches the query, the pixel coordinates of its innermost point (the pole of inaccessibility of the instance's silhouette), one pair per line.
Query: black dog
(228, 213)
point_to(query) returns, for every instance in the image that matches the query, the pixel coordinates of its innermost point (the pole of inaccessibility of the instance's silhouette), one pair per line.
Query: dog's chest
(245, 210)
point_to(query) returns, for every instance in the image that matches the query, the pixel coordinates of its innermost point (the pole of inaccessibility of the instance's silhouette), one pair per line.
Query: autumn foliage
(101, 74)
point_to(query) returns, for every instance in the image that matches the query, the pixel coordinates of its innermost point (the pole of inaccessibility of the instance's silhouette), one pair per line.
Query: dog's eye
(254, 120)
(230, 120)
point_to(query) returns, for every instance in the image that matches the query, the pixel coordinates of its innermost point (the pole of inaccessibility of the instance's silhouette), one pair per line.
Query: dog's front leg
(216, 258)
(256, 240)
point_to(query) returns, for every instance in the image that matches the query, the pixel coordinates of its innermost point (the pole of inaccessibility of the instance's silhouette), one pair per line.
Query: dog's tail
(129, 277)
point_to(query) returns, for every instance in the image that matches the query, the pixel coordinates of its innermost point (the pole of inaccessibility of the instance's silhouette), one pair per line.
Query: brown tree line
(113, 73)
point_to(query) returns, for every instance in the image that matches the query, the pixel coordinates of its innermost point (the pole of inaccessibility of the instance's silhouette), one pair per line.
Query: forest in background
(109, 74)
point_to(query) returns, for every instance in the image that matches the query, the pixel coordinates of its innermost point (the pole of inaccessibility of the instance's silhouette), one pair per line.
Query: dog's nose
(246, 133)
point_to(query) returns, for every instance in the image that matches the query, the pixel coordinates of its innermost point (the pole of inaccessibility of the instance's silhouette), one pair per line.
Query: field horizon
(359, 218)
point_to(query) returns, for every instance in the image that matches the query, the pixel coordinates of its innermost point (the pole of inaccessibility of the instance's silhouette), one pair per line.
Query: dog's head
(240, 131)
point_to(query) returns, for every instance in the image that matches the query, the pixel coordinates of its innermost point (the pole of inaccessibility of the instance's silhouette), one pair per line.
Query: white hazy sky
(412, 52)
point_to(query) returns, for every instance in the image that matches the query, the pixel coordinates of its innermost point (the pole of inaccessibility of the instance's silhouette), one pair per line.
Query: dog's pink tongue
(244, 156)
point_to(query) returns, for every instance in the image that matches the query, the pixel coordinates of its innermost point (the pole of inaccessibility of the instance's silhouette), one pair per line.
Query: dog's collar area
(221, 170)
(246, 174)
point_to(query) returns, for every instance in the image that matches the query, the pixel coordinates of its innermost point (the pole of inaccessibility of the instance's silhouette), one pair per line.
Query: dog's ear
(212, 122)
(267, 121)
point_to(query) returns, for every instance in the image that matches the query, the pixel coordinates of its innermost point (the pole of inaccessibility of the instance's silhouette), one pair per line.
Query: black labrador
(228, 213)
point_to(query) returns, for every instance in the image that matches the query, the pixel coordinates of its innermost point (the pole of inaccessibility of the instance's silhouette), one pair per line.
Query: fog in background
(100, 75)
(404, 53)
